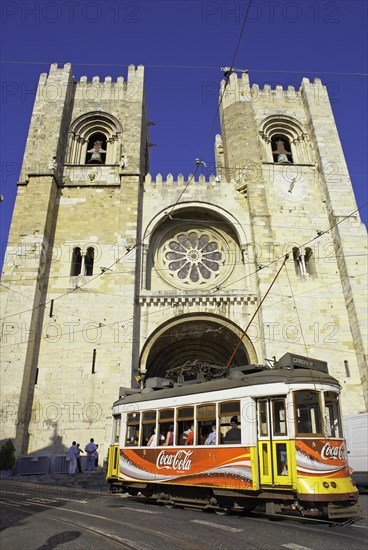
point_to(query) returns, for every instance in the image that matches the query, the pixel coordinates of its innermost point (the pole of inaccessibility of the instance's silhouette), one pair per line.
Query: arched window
(95, 138)
(88, 261)
(96, 149)
(281, 149)
(304, 263)
(285, 141)
(82, 264)
(76, 262)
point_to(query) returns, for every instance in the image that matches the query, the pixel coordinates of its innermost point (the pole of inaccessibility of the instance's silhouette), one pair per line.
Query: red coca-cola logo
(330, 452)
(178, 461)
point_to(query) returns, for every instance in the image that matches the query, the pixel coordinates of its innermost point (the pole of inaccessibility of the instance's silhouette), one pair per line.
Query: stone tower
(112, 275)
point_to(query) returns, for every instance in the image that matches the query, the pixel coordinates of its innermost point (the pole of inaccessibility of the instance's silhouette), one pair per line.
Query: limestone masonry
(112, 274)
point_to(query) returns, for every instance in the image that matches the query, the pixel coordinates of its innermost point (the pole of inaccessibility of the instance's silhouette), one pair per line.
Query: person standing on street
(73, 453)
(79, 464)
(90, 449)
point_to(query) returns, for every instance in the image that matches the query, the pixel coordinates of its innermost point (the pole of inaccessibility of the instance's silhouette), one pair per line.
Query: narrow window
(76, 262)
(184, 424)
(94, 361)
(149, 430)
(263, 418)
(309, 262)
(347, 369)
(96, 149)
(88, 261)
(116, 429)
(304, 263)
(299, 262)
(279, 417)
(230, 423)
(206, 417)
(332, 415)
(166, 425)
(132, 431)
(281, 149)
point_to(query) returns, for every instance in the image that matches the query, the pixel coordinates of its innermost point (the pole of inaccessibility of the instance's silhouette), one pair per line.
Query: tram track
(243, 513)
(119, 541)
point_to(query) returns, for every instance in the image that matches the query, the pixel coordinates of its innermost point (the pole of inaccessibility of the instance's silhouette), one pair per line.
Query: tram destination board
(291, 360)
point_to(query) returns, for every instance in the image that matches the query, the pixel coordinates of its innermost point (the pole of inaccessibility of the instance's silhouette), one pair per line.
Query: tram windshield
(307, 412)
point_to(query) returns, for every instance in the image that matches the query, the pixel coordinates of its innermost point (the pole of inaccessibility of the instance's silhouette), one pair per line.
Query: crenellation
(180, 180)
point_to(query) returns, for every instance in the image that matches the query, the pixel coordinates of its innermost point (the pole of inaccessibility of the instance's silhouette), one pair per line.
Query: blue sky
(183, 46)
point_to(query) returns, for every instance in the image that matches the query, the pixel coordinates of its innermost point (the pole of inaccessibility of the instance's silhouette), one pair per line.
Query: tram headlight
(326, 485)
(333, 484)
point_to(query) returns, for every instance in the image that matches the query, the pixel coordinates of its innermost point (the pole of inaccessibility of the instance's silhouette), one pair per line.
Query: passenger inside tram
(234, 434)
(170, 436)
(190, 438)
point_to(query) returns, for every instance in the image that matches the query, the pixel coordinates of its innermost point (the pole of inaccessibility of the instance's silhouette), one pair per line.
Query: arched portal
(203, 339)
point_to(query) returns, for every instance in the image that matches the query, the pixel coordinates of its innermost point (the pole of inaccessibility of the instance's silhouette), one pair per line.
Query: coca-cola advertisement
(315, 457)
(229, 468)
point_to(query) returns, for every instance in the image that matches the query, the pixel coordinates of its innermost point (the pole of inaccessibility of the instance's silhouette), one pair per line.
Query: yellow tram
(286, 452)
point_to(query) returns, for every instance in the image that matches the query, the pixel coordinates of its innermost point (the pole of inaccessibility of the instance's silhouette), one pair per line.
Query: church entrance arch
(200, 339)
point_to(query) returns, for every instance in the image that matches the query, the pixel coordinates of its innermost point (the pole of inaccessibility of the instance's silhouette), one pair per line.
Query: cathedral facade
(112, 275)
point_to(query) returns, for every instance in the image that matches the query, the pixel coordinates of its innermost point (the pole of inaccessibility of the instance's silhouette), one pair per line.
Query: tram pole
(255, 313)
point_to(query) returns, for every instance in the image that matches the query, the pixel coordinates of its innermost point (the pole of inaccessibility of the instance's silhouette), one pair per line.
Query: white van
(356, 437)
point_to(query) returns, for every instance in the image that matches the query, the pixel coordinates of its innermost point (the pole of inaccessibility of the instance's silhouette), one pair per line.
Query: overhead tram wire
(201, 159)
(190, 67)
(215, 290)
(217, 110)
(255, 313)
(300, 246)
(297, 312)
(177, 201)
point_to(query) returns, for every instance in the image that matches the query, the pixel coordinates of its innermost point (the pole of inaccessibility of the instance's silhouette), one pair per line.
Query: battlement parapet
(56, 74)
(180, 180)
(238, 89)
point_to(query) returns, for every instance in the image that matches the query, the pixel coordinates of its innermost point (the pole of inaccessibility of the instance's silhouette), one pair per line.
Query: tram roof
(270, 376)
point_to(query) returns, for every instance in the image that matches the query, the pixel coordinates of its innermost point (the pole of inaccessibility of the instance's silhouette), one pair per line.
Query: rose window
(193, 257)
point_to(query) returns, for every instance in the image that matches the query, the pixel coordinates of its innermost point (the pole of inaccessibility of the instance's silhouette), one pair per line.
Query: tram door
(273, 443)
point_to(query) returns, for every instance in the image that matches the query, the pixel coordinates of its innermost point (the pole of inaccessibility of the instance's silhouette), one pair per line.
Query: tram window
(279, 417)
(132, 431)
(206, 416)
(263, 418)
(116, 429)
(307, 413)
(332, 416)
(166, 420)
(148, 426)
(230, 412)
(185, 419)
(281, 459)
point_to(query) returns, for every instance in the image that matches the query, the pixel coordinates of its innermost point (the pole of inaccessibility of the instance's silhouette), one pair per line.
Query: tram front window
(307, 413)
(332, 416)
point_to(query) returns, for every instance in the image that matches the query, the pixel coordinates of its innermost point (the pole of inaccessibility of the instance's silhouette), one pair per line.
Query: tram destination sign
(291, 360)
